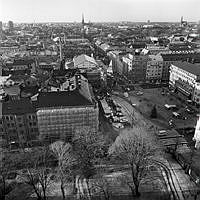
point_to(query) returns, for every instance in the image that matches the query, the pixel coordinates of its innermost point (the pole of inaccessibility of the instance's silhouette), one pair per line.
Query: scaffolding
(60, 123)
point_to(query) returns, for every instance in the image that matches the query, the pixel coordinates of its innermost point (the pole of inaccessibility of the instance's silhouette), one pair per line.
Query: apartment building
(174, 56)
(61, 112)
(185, 77)
(116, 58)
(154, 69)
(134, 67)
(18, 122)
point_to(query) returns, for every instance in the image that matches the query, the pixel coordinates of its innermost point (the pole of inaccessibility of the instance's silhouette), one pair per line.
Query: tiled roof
(191, 68)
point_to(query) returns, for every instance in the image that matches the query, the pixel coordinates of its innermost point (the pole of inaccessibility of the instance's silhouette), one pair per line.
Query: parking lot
(145, 99)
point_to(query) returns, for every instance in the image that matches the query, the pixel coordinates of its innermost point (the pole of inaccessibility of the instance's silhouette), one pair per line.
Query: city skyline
(99, 11)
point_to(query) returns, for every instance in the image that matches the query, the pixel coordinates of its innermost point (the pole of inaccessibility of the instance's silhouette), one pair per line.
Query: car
(118, 125)
(115, 118)
(139, 93)
(108, 115)
(175, 114)
(171, 123)
(118, 109)
(167, 106)
(123, 120)
(134, 104)
(179, 116)
(162, 133)
(118, 105)
(189, 101)
(119, 115)
(189, 111)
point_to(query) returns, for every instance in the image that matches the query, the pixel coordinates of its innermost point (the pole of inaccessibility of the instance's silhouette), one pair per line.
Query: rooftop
(191, 68)
(63, 98)
(82, 58)
(19, 106)
(156, 57)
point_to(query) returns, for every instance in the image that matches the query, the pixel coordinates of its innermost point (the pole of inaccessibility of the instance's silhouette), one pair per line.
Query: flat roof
(189, 67)
(62, 98)
(21, 106)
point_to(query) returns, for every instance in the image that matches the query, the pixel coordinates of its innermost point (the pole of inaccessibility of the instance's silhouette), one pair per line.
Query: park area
(159, 97)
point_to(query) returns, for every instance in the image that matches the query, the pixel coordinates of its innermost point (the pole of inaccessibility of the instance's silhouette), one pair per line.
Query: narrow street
(184, 187)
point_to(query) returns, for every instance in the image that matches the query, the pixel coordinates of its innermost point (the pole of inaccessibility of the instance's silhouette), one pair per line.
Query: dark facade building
(10, 25)
(18, 123)
(60, 112)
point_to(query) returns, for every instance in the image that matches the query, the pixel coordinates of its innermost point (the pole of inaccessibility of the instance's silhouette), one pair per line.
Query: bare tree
(5, 167)
(36, 172)
(137, 151)
(89, 147)
(66, 161)
(102, 185)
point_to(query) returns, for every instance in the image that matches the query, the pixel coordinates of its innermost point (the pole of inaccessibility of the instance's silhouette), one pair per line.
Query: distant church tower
(83, 22)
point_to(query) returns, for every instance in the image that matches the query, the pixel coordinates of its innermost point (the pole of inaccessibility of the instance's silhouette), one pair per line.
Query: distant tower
(10, 25)
(1, 29)
(183, 23)
(1, 26)
(60, 47)
(83, 22)
(181, 20)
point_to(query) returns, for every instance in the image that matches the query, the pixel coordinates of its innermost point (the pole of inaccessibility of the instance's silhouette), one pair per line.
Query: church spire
(83, 22)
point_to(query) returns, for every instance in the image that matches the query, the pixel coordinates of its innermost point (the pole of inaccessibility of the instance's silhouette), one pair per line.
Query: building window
(34, 123)
(19, 119)
(22, 132)
(20, 125)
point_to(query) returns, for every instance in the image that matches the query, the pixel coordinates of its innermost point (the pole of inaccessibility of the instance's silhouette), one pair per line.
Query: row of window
(19, 119)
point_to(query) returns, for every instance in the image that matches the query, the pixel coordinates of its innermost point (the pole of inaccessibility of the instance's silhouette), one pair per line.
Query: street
(184, 187)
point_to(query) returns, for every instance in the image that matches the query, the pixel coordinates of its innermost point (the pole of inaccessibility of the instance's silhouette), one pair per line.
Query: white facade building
(196, 137)
(128, 60)
(85, 62)
(186, 78)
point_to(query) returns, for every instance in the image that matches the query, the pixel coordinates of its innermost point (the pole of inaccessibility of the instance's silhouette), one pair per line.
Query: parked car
(171, 123)
(175, 114)
(189, 111)
(179, 116)
(118, 125)
(189, 101)
(162, 133)
(139, 93)
(167, 106)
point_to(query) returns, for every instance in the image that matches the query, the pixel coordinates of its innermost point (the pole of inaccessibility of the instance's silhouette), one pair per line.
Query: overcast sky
(98, 10)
